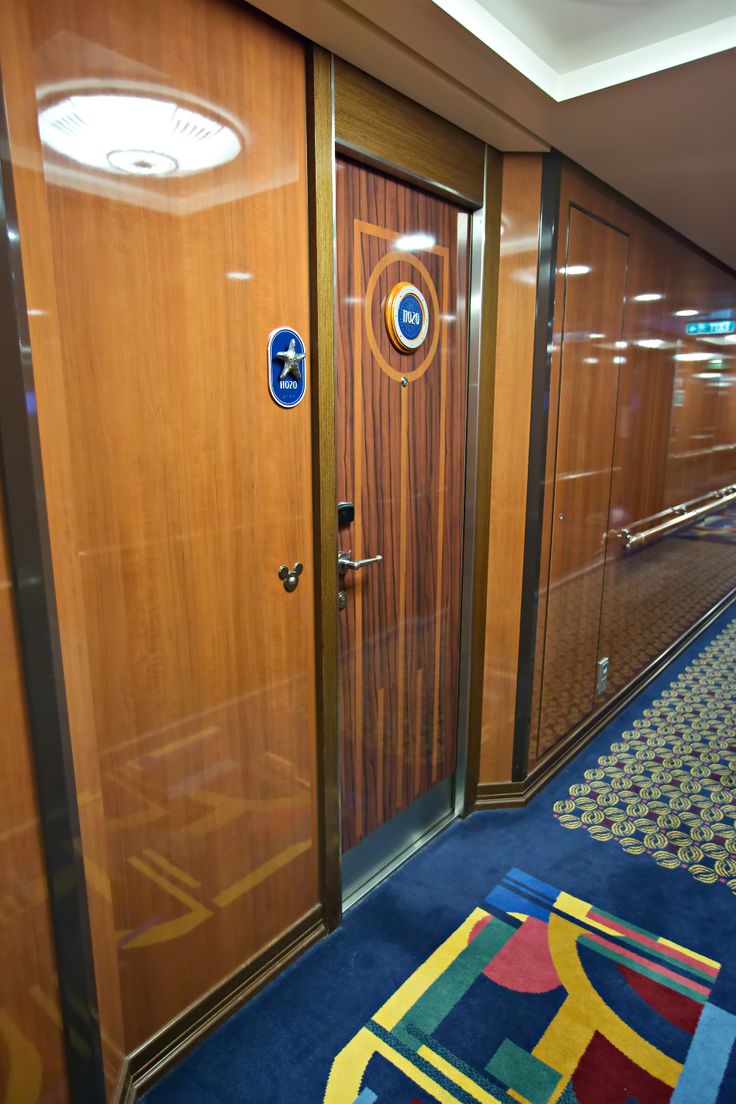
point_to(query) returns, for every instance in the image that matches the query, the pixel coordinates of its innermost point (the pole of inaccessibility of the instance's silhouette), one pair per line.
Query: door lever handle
(345, 564)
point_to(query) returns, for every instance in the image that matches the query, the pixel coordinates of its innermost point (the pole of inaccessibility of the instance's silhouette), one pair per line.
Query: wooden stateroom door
(401, 416)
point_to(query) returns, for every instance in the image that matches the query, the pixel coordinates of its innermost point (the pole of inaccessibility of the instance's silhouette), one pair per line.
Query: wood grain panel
(384, 126)
(401, 461)
(191, 670)
(674, 440)
(646, 381)
(594, 301)
(32, 1064)
(517, 296)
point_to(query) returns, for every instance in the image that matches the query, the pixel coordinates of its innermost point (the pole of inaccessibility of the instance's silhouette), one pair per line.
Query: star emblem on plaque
(407, 317)
(287, 371)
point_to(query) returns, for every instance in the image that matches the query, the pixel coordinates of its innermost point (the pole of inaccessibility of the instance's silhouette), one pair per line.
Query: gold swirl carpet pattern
(667, 787)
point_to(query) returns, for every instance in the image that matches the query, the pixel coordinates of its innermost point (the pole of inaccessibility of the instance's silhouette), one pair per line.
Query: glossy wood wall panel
(517, 297)
(674, 440)
(594, 303)
(32, 1064)
(165, 235)
(401, 452)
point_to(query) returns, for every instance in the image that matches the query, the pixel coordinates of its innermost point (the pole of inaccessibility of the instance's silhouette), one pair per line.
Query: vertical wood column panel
(517, 296)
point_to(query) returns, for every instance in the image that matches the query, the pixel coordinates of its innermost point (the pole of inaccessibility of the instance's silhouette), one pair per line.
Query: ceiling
(572, 47)
(639, 92)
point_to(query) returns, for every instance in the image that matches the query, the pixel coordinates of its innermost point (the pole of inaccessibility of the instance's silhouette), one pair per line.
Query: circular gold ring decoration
(407, 317)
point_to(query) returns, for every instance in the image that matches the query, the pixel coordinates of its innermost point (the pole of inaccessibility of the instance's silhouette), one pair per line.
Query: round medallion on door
(407, 317)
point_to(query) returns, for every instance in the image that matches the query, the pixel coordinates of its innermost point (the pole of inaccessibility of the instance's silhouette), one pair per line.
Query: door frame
(355, 115)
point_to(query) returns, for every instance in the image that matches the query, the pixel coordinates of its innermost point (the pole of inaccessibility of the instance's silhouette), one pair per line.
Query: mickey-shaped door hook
(290, 576)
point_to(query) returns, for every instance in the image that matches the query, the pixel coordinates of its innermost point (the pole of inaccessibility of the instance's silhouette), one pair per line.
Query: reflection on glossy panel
(675, 440)
(401, 449)
(170, 237)
(595, 277)
(32, 1069)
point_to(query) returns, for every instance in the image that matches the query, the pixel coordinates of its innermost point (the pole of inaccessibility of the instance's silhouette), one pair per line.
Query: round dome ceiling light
(137, 135)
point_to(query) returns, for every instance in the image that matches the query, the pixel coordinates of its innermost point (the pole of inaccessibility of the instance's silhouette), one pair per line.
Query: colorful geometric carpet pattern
(589, 975)
(667, 787)
(568, 1004)
(717, 527)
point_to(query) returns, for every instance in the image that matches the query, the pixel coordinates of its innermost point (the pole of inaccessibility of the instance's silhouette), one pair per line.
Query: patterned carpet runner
(600, 1011)
(667, 788)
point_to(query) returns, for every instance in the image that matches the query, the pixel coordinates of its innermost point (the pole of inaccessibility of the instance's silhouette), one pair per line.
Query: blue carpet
(279, 1049)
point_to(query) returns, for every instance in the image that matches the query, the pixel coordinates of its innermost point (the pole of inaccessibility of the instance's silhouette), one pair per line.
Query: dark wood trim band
(504, 795)
(541, 375)
(485, 400)
(158, 1054)
(28, 536)
(321, 192)
(383, 128)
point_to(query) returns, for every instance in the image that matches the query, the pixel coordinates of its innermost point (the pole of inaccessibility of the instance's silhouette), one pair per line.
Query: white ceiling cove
(569, 48)
(640, 92)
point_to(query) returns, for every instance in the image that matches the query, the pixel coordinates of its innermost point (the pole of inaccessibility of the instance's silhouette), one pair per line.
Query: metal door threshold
(373, 859)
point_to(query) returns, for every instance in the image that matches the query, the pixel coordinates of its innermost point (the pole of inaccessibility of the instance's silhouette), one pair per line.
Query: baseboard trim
(499, 795)
(150, 1061)
(510, 795)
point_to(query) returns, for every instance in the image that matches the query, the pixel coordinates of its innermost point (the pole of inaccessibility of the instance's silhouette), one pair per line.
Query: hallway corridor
(576, 950)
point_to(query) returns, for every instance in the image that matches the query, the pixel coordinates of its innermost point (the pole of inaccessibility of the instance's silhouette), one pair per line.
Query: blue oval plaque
(287, 367)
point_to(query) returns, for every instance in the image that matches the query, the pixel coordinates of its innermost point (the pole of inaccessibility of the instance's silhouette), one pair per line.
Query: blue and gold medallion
(407, 317)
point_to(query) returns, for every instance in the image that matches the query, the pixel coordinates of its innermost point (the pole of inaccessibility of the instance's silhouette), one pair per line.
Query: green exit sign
(725, 326)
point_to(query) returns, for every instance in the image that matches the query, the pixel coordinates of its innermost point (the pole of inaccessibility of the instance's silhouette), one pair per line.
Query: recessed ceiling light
(620, 344)
(137, 135)
(575, 270)
(240, 275)
(410, 242)
(596, 336)
(693, 356)
(648, 297)
(619, 360)
(590, 360)
(688, 313)
(651, 343)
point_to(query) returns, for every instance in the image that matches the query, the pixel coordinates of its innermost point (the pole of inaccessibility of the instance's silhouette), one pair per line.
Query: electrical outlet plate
(601, 680)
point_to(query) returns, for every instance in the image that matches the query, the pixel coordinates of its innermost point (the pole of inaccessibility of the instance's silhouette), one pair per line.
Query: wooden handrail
(675, 517)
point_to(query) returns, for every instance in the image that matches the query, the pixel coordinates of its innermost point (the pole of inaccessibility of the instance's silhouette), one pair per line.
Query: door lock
(345, 564)
(290, 576)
